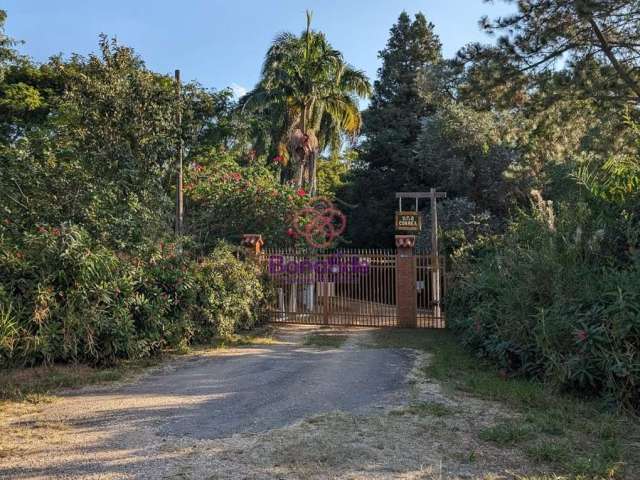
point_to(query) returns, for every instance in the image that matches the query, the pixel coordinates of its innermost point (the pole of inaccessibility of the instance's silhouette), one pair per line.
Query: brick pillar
(406, 294)
(253, 243)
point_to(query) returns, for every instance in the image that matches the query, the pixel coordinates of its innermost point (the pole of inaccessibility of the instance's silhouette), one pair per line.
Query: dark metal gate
(355, 288)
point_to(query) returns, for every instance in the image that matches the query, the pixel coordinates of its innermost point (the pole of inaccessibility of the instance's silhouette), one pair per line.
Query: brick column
(406, 295)
(253, 243)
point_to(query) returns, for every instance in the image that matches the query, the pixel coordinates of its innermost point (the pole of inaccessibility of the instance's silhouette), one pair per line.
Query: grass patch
(424, 409)
(553, 427)
(325, 340)
(550, 452)
(35, 384)
(259, 337)
(508, 433)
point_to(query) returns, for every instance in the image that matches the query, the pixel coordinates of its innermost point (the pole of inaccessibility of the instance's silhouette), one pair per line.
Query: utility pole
(435, 266)
(179, 193)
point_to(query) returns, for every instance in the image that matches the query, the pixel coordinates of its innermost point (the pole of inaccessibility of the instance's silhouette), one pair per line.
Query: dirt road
(273, 411)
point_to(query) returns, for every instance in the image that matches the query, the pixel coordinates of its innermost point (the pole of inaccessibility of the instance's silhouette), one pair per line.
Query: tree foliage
(535, 139)
(310, 95)
(392, 124)
(89, 267)
(597, 39)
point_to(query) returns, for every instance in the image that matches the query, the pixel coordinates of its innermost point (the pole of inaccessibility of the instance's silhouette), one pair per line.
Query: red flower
(198, 168)
(56, 232)
(292, 233)
(301, 192)
(278, 159)
(582, 335)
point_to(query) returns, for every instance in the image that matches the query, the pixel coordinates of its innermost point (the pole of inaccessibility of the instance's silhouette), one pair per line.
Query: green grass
(325, 340)
(507, 433)
(581, 438)
(550, 452)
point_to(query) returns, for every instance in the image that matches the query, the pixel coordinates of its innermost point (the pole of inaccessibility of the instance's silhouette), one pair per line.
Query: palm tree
(310, 96)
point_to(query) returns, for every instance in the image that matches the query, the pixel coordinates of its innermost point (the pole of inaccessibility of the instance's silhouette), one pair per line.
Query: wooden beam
(420, 195)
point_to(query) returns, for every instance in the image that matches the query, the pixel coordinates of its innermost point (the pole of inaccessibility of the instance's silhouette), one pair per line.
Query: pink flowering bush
(227, 201)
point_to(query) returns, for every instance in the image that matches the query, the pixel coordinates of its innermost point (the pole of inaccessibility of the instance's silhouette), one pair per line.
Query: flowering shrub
(64, 298)
(549, 300)
(226, 201)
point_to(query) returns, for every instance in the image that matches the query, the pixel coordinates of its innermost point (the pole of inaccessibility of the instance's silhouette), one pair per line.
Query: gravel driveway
(130, 431)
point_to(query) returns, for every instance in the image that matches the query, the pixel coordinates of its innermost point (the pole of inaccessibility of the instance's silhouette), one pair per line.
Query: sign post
(408, 221)
(403, 222)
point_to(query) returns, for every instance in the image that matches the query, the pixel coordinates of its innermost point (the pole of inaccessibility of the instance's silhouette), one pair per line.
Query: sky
(221, 43)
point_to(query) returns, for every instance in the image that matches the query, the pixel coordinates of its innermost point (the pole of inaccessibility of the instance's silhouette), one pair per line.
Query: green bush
(226, 201)
(556, 298)
(65, 298)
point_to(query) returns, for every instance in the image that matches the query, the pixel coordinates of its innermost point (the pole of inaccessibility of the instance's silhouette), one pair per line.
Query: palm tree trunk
(300, 172)
(303, 160)
(313, 174)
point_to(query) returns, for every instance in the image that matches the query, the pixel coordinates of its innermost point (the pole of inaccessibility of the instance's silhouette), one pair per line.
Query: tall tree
(393, 120)
(600, 39)
(311, 97)
(392, 124)
(90, 141)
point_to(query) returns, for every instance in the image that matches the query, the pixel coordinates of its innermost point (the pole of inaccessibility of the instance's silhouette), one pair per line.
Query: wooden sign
(408, 221)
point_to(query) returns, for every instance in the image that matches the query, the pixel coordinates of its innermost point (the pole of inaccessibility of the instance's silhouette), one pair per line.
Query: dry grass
(38, 384)
(345, 446)
(572, 437)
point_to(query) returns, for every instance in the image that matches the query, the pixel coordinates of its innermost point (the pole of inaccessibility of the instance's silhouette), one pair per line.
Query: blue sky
(221, 43)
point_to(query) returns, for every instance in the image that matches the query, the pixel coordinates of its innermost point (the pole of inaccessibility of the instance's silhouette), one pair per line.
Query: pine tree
(393, 120)
(392, 124)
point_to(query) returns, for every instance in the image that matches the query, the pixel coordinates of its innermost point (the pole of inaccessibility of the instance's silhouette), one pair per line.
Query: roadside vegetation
(574, 436)
(535, 138)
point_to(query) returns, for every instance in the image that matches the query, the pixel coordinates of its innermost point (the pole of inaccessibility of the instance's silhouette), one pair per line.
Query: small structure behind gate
(374, 288)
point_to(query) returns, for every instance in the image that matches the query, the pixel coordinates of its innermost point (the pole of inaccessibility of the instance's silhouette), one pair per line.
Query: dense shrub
(66, 298)
(226, 200)
(557, 297)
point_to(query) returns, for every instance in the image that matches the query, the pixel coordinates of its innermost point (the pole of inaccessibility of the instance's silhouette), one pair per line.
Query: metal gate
(353, 288)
